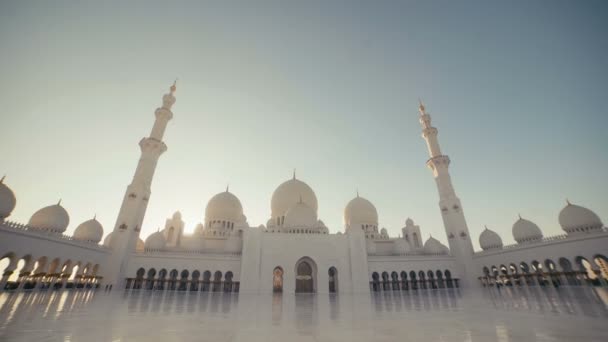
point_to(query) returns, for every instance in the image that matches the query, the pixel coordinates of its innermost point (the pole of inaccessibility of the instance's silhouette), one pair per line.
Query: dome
(524, 230)
(224, 206)
(289, 194)
(54, 218)
(155, 242)
(409, 222)
(384, 233)
(433, 246)
(574, 218)
(7, 200)
(300, 215)
(139, 247)
(359, 210)
(90, 230)
(489, 239)
(108, 240)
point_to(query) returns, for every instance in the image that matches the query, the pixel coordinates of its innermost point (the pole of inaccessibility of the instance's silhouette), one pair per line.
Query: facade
(294, 251)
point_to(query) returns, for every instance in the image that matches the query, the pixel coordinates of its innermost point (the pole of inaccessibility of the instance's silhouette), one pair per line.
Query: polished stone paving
(507, 314)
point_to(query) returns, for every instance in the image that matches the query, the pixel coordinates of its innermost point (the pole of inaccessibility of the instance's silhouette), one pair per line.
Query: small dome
(155, 242)
(288, 194)
(409, 222)
(524, 231)
(53, 218)
(574, 218)
(139, 247)
(90, 230)
(199, 229)
(489, 239)
(433, 246)
(108, 240)
(7, 200)
(360, 211)
(224, 206)
(177, 215)
(300, 215)
(384, 233)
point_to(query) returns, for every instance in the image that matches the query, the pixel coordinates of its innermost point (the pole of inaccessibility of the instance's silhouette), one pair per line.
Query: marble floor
(529, 314)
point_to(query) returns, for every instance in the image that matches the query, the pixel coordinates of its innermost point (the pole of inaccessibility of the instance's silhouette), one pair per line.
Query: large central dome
(289, 194)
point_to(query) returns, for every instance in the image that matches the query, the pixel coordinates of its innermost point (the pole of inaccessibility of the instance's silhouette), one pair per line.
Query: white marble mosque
(294, 251)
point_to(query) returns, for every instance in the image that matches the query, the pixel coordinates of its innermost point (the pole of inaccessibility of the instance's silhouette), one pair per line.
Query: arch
(333, 279)
(395, 281)
(586, 271)
(183, 282)
(150, 279)
(228, 281)
(404, 283)
(173, 280)
(602, 263)
(306, 275)
(217, 281)
(195, 280)
(422, 279)
(385, 282)
(277, 279)
(206, 281)
(524, 267)
(440, 282)
(375, 282)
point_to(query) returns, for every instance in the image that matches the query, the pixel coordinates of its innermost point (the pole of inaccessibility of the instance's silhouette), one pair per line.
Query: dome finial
(485, 226)
(294, 173)
(567, 201)
(227, 187)
(95, 216)
(59, 203)
(174, 86)
(2, 179)
(357, 192)
(421, 107)
(518, 214)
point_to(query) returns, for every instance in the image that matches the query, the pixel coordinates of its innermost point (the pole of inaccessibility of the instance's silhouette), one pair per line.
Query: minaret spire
(454, 221)
(135, 201)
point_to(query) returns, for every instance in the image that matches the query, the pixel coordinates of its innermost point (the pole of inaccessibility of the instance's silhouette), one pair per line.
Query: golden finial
(421, 107)
(95, 216)
(357, 192)
(294, 173)
(59, 203)
(2, 179)
(227, 187)
(567, 201)
(174, 86)
(519, 216)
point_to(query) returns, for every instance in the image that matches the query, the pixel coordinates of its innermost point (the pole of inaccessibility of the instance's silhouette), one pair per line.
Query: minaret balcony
(438, 161)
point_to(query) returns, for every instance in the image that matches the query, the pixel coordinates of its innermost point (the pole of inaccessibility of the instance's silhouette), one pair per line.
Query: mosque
(294, 252)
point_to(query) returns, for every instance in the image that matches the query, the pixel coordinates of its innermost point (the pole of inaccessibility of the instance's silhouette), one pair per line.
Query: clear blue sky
(518, 91)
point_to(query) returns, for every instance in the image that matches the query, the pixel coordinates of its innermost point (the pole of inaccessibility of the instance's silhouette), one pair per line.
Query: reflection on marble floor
(508, 314)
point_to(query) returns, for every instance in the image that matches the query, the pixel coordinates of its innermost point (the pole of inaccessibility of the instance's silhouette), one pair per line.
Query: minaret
(454, 222)
(131, 215)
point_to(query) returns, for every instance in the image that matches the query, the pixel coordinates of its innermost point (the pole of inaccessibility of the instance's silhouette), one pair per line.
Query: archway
(305, 276)
(228, 281)
(333, 279)
(375, 282)
(567, 270)
(602, 263)
(195, 280)
(277, 279)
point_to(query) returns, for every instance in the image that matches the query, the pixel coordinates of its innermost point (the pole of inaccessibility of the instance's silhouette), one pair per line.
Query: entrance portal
(277, 280)
(305, 273)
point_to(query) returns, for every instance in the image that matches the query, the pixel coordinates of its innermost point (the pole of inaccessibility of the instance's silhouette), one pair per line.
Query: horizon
(329, 92)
